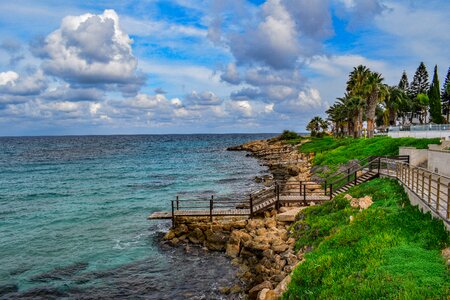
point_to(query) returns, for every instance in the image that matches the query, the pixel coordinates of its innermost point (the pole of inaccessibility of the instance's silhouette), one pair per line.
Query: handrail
(356, 170)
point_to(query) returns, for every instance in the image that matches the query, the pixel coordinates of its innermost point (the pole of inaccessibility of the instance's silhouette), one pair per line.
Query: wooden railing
(432, 189)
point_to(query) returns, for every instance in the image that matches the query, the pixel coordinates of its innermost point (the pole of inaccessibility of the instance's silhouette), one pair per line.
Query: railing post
(356, 177)
(178, 203)
(438, 194)
(417, 181)
(251, 206)
(173, 215)
(409, 176)
(331, 191)
(396, 170)
(429, 189)
(423, 183)
(448, 201)
(325, 187)
(379, 165)
(412, 186)
(304, 194)
(348, 174)
(211, 208)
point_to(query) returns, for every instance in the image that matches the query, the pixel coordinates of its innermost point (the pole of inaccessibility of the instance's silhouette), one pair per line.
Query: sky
(183, 66)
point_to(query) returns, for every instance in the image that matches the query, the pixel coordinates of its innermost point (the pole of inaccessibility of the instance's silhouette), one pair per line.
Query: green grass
(389, 251)
(333, 152)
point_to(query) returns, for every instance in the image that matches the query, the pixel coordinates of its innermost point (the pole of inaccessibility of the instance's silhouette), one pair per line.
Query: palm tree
(375, 91)
(357, 92)
(337, 114)
(397, 104)
(315, 125)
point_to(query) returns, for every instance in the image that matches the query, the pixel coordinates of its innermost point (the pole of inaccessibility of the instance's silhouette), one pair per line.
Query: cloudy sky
(182, 66)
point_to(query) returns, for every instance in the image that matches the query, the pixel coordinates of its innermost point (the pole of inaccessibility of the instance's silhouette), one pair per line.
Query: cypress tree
(404, 84)
(435, 99)
(445, 96)
(420, 83)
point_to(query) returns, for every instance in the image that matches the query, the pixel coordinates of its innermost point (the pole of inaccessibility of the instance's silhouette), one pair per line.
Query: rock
(262, 294)
(348, 197)
(215, 246)
(216, 236)
(253, 293)
(180, 230)
(224, 290)
(270, 223)
(272, 295)
(268, 253)
(233, 250)
(174, 241)
(351, 219)
(235, 289)
(196, 236)
(365, 202)
(279, 246)
(169, 235)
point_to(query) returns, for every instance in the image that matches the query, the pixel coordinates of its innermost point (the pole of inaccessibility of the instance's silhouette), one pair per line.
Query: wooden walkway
(431, 188)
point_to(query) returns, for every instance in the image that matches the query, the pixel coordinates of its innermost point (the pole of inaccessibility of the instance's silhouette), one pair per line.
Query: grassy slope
(333, 152)
(390, 250)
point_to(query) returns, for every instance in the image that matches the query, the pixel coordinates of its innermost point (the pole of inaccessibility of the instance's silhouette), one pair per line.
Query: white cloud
(90, 49)
(8, 77)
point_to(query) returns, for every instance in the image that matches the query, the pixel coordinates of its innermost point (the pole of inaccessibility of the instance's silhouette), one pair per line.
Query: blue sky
(182, 66)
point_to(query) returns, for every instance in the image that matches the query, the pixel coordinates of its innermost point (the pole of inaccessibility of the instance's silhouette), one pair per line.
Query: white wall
(416, 156)
(439, 162)
(421, 134)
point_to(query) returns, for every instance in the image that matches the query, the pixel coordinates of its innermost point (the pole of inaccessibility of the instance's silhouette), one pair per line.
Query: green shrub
(288, 135)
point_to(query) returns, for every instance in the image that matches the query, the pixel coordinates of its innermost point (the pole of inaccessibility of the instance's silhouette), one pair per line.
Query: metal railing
(427, 127)
(432, 189)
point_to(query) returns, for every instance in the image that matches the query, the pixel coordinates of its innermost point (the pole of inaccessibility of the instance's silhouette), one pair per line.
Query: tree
(445, 95)
(396, 104)
(434, 96)
(357, 95)
(422, 101)
(315, 125)
(419, 85)
(404, 84)
(376, 91)
(338, 116)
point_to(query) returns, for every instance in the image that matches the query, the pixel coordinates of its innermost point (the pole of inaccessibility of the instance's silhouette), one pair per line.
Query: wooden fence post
(438, 194)
(448, 201)
(417, 181)
(173, 215)
(211, 208)
(429, 189)
(423, 183)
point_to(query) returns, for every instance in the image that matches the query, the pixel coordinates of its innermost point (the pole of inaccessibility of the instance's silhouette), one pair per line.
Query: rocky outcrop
(260, 247)
(361, 203)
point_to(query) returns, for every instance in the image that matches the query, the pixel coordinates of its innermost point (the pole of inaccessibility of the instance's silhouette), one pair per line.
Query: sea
(73, 214)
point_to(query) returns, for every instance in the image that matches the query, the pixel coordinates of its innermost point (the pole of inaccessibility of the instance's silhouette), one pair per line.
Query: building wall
(421, 134)
(416, 156)
(439, 162)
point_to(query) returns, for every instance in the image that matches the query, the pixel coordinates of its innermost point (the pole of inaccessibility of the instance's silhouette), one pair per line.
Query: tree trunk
(370, 112)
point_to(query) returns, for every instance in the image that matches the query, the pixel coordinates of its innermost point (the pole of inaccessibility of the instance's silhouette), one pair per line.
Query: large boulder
(253, 293)
(196, 236)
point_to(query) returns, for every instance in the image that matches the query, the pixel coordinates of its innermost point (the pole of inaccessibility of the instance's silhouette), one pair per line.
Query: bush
(288, 135)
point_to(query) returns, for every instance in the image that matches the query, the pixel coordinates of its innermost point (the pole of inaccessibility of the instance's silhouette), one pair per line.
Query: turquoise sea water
(73, 213)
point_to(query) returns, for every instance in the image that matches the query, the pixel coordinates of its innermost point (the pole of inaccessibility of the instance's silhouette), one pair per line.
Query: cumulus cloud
(11, 83)
(306, 101)
(91, 49)
(203, 98)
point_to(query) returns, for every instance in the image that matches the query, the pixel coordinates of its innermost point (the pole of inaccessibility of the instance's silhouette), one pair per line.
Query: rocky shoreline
(260, 247)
